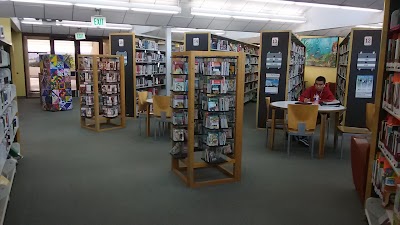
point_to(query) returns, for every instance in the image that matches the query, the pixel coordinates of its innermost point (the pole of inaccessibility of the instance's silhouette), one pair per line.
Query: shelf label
(196, 41)
(80, 36)
(275, 41)
(99, 21)
(367, 40)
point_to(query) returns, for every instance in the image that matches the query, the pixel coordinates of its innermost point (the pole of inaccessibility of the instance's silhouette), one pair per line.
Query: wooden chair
(357, 131)
(302, 121)
(278, 122)
(142, 108)
(162, 112)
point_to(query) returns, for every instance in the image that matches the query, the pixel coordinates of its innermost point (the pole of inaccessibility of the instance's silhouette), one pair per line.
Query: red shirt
(324, 96)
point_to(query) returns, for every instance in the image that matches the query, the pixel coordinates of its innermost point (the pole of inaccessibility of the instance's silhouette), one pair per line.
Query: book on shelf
(212, 138)
(389, 135)
(179, 83)
(178, 134)
(179, 101)
(212, 121)
(384, 180)
(180, 118)
(179, 67)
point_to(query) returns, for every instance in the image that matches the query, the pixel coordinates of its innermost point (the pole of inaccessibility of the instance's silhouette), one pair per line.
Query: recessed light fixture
(211, 15)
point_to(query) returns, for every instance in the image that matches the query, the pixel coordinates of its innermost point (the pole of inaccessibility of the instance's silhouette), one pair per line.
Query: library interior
(257, 111)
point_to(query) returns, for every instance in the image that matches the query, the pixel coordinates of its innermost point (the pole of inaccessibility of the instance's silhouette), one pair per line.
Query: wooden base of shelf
(180, 168)
(105, 124)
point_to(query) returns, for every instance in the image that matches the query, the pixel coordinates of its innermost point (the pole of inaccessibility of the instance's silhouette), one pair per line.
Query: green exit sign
(80, 36)
(98, 21)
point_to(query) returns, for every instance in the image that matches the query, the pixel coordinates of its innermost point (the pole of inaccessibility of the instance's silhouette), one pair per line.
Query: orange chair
(302, 121)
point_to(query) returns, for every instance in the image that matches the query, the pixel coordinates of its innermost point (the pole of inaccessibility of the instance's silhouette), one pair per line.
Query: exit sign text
(98, 21)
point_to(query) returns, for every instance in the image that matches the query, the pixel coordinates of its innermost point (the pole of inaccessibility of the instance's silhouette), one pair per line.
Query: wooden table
(149, 102)
(322, 110)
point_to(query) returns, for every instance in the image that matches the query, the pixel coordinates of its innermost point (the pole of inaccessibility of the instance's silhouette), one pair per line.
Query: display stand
(211, 42)
(281, 75)
(102, 91)
(384, 156)
(55, 83)
(9, 127)
(207, 101)
(357, 73)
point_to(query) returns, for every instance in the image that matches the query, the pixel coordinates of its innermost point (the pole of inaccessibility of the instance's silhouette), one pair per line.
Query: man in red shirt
(319, 92)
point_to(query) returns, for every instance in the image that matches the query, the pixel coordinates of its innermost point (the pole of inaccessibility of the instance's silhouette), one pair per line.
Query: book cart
(9, 128)
(357, 73)
(102, 91)
(281, 75)
(211, 42)
(384, 167)
(207, 102)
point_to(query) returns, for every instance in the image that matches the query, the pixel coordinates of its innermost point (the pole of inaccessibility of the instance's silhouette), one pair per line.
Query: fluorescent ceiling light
(44, 2)
(32, 21)
(184, 30)
(360, 9)
(155, 10)
(316, 5)
(369, 26)
(114, 26)
(210, 15)
(102, 6)
(251, 18)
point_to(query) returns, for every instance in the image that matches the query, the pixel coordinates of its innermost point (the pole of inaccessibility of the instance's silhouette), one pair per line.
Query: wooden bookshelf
(358, 62)
(380, 149)
(216, 43)
(102, 91)
(190, 153)
(9, 127)
(282, 58)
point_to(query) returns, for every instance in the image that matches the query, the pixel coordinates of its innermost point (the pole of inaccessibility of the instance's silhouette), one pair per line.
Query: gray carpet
(73, 176)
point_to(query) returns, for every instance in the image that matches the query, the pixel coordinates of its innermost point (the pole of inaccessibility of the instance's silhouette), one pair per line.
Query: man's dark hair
(321, 78)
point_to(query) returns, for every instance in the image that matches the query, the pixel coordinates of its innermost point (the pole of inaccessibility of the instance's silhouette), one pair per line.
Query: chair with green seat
(346, 131)
(302, 121)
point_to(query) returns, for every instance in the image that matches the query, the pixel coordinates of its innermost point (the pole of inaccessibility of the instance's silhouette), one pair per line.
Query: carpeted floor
(73, 176)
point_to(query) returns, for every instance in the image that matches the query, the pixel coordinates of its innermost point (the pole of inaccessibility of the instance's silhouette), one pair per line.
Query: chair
(278, 122)
(162, 112)
(357, 131)
(302, 121)
(142, 108)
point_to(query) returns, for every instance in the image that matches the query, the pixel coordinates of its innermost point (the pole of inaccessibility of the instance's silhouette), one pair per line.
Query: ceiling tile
(29, 10)
(254, 26)
(179, 21)
(136, 18)
(73, 30)
(235, 5)
(83, 14)
(214, 4)
(253, 6)
(42, 29)
(58, 12)
(273, 26)
(177, 36)
(158, 20)
(113, 16)
(7, 9)
(359, 3)
(26, 28)
(333, 2)
(108, 31)
(200, 23)
(59, 30)
(218, 24)
(238, 25)
(378, 4)
(94, 32)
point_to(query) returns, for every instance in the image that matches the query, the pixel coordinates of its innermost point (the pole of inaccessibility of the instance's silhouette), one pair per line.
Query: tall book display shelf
(102, 91)
(9, 124)
(282, 67)
(384, 167)
(211, 42)
(357, 73)
(207, 102)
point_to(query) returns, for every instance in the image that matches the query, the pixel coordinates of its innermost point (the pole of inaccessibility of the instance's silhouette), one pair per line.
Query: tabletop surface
(284, 105)
(149, 100)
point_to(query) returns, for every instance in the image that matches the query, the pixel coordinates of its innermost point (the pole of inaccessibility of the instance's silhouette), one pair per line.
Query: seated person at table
(317, 93)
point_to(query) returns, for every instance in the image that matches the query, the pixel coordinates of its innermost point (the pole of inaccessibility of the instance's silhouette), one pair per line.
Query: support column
(168, 53)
